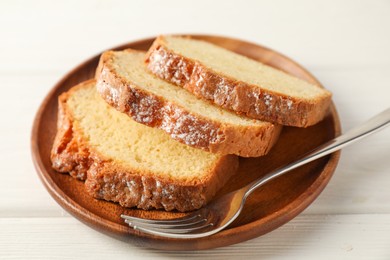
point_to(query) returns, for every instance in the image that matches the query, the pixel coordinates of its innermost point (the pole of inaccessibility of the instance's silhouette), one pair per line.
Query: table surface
(345, 44)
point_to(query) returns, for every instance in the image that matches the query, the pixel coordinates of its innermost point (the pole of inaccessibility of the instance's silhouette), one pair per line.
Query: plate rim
(223, 238)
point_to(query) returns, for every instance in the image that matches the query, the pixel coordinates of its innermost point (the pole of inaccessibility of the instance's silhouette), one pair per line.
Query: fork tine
(184, 219)
(164, 230)
(167, 225)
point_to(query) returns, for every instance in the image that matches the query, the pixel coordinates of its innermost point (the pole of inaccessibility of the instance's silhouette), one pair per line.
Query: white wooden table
(346, 44)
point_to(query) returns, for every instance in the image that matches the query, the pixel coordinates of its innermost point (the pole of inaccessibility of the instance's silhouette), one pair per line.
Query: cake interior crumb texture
(131, 66)
(242, 68)
(134, 145)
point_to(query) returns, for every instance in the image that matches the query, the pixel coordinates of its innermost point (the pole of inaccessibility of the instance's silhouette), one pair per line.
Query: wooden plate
(266, 209)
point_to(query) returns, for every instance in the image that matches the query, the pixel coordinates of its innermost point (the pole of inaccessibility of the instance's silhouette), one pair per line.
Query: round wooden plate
(268, 208)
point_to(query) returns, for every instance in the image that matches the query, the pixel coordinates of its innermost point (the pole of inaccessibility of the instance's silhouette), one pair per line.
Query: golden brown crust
(232, 94)
(69, 152)
(106, 179)
(187, 127)
(148, 191)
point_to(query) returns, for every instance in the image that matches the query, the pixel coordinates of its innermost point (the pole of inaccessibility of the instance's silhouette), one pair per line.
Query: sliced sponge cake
(130, 163)
(236, 82)
(124, 82)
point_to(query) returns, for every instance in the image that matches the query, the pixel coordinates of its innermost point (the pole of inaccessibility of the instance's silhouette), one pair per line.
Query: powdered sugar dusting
(143, 107)
(188, 128)
(145, 193)
(289, 104)
(181, 74)
(103, 88)
(168, 191)
(223, 94)
(132, 187)
(156, 63)
(169, 66)
(268, 100)
(81, 175)
(267, 104)
(256, 101)
(199, 80)
(156, 194)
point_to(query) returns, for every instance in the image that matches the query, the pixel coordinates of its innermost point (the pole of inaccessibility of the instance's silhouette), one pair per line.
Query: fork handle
(371, 126)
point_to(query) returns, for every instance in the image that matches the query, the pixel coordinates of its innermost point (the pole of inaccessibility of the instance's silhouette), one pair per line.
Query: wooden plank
(47, 35)
(306, 237)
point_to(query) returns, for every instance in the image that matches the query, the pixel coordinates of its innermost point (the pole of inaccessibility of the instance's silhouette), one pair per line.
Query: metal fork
(218, 214)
